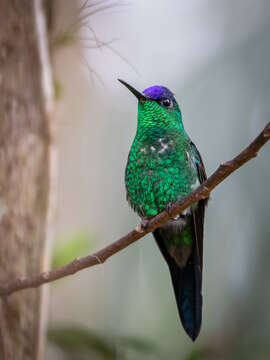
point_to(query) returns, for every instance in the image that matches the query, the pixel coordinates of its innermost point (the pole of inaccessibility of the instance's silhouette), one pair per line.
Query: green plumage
(164, 166)
(161, 167)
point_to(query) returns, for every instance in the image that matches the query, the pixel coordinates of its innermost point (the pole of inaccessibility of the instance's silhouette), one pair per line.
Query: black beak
(135, 92)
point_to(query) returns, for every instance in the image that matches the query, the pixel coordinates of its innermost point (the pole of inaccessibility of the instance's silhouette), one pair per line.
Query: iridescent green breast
(160, 170)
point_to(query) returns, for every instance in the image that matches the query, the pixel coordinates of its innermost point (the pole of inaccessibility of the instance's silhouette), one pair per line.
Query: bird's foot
(168, 210)
(142, 226)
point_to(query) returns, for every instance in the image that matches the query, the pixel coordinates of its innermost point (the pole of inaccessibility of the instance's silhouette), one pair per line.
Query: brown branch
(202, 192)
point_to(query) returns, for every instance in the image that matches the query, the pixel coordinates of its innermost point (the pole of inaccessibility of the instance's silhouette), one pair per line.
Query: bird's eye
(167, 103)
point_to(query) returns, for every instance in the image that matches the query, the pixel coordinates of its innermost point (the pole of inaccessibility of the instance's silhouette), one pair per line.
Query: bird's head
(157, 106)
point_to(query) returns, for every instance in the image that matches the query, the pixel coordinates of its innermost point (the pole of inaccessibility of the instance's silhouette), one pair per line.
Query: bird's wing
(187, 280)
(198, 212)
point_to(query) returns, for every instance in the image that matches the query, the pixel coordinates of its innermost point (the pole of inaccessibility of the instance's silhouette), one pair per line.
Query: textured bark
(24, 174)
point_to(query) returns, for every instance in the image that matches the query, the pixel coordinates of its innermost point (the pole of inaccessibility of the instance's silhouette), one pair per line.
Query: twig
(202, 192)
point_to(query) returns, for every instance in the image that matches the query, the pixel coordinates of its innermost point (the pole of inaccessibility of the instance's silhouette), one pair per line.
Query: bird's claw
(142, 226)
(168, 208)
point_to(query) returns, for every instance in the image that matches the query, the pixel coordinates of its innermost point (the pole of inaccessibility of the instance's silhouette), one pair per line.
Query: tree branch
(202, 192)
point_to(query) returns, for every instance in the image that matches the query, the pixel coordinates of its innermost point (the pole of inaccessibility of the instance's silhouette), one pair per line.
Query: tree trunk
(25, 170)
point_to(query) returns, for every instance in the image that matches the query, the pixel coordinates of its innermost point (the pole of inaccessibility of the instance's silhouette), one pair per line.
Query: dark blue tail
(187, 284)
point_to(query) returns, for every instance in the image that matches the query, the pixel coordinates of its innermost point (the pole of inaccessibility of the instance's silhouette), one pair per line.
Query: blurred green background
(215, 56)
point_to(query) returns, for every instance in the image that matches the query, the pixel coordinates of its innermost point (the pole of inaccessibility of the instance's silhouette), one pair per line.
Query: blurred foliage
(79, 343)
(75, 246)
(194, 355)
(138, 344)
(58, 89)
(65, 38)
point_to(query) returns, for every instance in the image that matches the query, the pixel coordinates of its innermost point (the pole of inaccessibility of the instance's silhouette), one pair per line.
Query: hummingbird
(163, 166)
